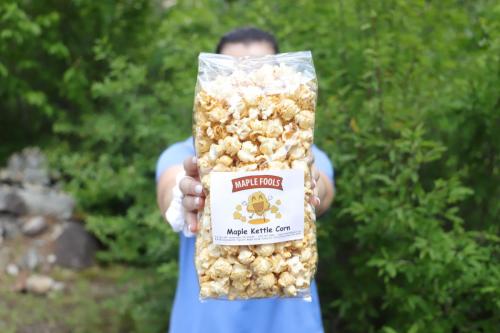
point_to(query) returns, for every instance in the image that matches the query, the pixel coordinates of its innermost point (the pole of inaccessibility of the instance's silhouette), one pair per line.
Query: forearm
(164, 187)
(325, 193)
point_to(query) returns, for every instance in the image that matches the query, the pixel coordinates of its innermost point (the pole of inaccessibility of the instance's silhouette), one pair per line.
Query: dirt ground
(92, 300)
(89, 302)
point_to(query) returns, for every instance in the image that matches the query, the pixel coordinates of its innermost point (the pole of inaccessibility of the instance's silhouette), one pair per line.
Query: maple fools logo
(257, 181)
(259, 207)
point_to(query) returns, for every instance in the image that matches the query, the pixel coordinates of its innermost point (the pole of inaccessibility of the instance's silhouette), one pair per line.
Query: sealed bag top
(224, 76)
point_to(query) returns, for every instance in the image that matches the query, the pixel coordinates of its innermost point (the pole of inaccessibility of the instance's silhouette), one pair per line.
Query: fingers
(190, 186)
(192, 221)
(192, 190)
(315, 176)
(311, 158)
(315, 173)
(191, 206)
(315, 201)
(192, 203)
(191, 167)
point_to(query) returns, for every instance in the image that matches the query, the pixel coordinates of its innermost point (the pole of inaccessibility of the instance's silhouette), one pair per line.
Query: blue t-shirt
(267, 315)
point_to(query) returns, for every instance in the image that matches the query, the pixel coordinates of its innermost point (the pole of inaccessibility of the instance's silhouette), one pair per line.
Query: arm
(170, 163)
(190, 187)
(324, 175)
(164, 187)
(325, 192)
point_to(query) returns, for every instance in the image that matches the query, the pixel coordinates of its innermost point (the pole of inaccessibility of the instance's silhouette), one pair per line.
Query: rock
(4, 258)
(39, 284)
(28, 166)
(10, 201)
(51, 259)
(75, 247)
(39, 242)
(56, 231)
(34, 226)
(45, 201)
(20, 284)
(31, 259)
(12, 270)
(58, 286)
(9, 226)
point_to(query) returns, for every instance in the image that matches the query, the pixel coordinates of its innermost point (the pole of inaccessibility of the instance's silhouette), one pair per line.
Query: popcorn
(290, 290)
(231, 145)
(253, 113)
(251, 94)
(306, 255)
(267, 148)
(267, 107)
(305, 119)
(286, 279)
(266, 281)
(278, 165)
(262, 265)
(274, 128)
(214, 152)
(202, 146)
(301, 282)
(257, 126)
(264, 250)
(220, 268)
(215, 287)
(240, 285)
(218, 114)
(278, 263)
(246, 256)
(240, 272)
(259, 116)
(236, 106)
(305, 97)
(245, 156)
(225, 160)
(297, 153)
(290, 133)
(287, 109)
(294, 265)
(249, 147)
(280, 154)
(214, 251)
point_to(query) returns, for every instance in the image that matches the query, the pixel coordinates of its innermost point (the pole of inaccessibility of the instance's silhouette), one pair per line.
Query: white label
(257, 207)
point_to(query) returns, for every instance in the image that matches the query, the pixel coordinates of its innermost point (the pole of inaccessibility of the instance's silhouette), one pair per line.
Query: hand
(192, 190)
(315, 200)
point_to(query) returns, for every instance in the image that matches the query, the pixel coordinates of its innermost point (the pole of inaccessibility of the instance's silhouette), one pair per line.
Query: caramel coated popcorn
(257, 116)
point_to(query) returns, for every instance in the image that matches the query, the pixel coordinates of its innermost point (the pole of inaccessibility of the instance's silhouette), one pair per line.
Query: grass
(94, 300)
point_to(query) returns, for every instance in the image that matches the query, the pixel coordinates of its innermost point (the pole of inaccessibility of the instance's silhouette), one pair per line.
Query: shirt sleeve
(174, 155)
(323, 163)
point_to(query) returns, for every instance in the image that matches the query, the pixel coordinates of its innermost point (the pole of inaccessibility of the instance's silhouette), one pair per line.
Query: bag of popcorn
(253, 131)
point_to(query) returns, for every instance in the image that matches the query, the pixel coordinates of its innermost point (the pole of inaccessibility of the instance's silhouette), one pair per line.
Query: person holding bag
(180, 196)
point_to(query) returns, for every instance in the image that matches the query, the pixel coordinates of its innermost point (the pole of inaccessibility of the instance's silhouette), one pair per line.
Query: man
(189, 314)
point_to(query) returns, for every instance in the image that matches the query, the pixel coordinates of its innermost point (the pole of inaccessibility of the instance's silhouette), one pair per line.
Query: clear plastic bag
(253, 130)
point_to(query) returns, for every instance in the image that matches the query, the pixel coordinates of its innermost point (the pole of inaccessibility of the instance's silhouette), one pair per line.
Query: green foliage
(408, 111)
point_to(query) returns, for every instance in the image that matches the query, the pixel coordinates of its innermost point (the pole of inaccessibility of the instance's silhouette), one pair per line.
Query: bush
(408, 112)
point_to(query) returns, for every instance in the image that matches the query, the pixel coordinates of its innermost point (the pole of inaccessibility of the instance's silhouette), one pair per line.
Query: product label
(257, 207)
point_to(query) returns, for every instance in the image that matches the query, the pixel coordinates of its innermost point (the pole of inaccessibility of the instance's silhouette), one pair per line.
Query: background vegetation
(409, 112)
